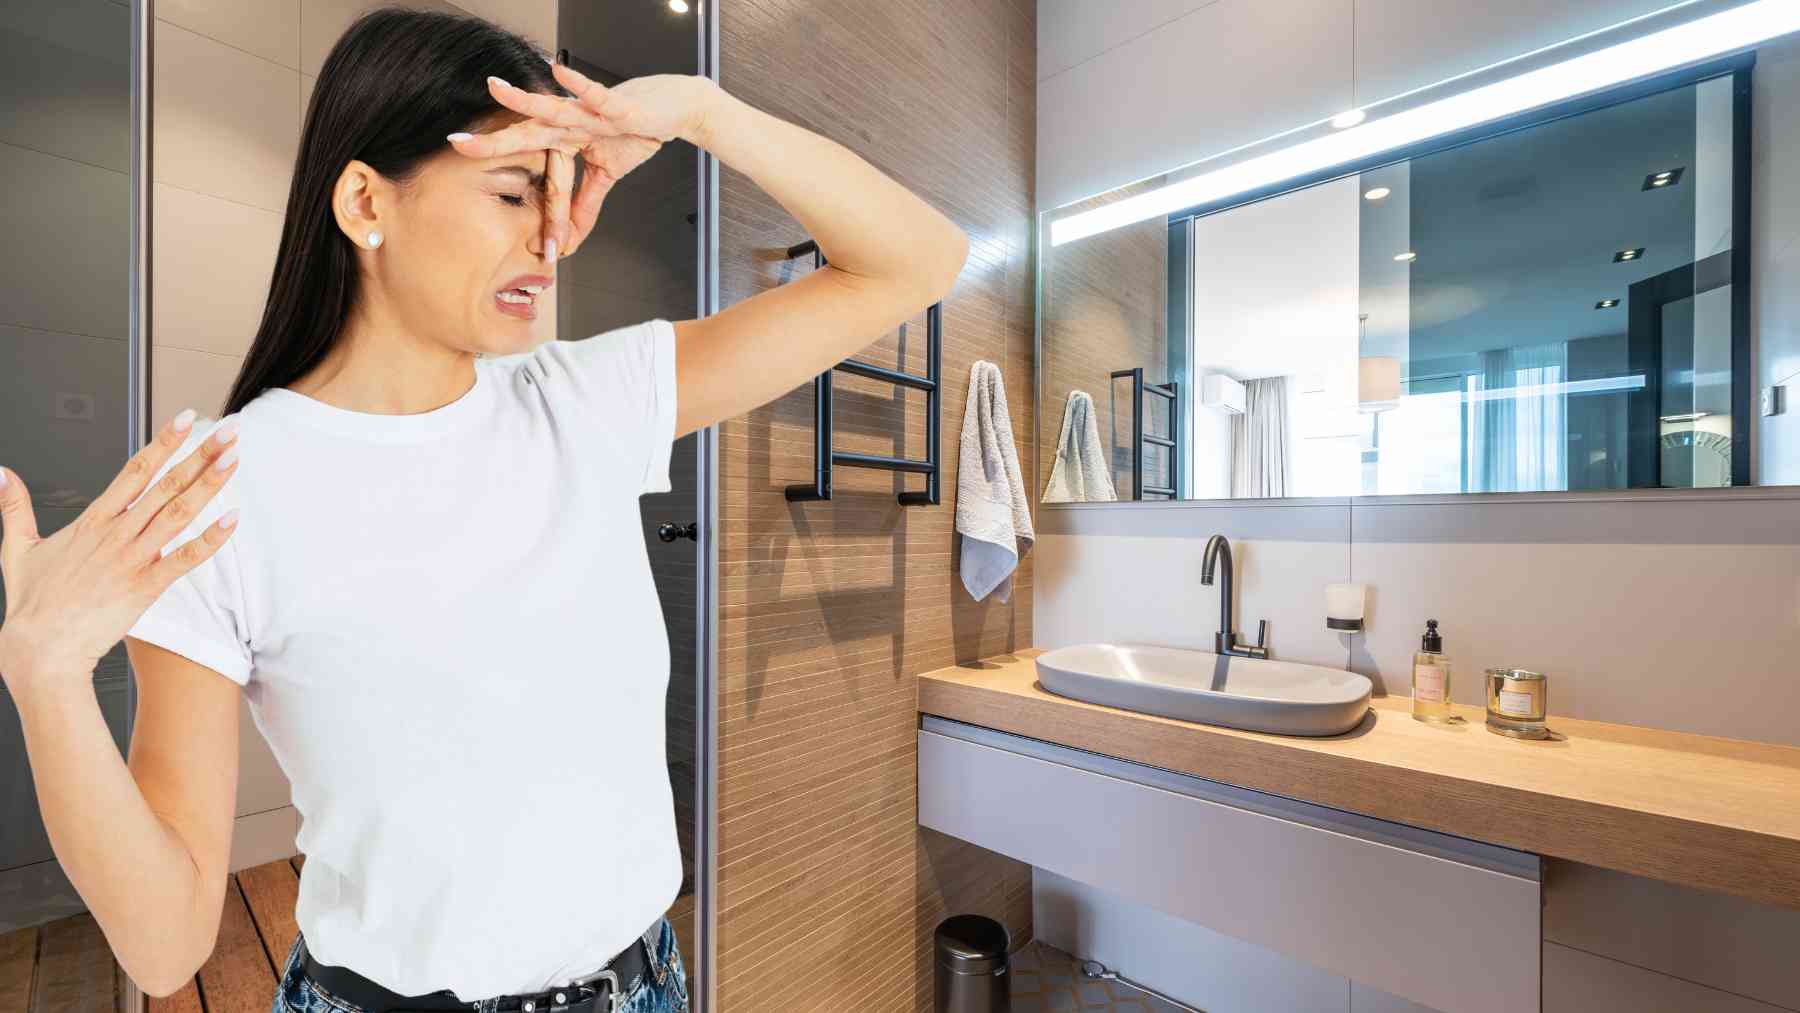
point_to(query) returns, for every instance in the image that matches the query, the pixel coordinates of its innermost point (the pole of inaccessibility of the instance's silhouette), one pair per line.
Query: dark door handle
(668, 531)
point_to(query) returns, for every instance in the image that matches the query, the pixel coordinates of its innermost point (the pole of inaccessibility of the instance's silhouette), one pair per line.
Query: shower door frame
(706, 628)
(137, 333)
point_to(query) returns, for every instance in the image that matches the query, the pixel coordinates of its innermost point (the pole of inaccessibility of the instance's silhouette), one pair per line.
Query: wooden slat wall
(829, 891)
(1105, 309)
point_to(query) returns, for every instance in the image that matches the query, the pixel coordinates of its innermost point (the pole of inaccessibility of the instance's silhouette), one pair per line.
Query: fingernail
(459, 136)
(499, 81)
(550, 251)
(226, 460)
(184, 420)
(3, 478)
(228, 519)
(227, 432)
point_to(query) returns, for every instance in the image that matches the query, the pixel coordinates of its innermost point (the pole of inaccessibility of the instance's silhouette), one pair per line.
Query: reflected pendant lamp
(1377, 383)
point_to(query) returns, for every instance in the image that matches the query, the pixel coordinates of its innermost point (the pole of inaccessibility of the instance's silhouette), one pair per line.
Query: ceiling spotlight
(678, 6)
(1606, 304)
(1377, 193)
(1664, 179)
(1623, 255)
(1407, 257)
(1348, 119)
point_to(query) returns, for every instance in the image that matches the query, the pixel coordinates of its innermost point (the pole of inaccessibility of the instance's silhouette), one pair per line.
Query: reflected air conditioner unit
(1221, 393)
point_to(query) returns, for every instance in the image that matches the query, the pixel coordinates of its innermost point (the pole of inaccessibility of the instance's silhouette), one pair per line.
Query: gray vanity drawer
(1450, 923)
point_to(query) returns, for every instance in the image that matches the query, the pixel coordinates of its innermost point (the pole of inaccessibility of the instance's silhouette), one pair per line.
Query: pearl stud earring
(374, 240)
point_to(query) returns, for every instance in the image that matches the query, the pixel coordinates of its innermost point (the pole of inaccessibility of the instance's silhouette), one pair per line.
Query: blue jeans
(662, 989)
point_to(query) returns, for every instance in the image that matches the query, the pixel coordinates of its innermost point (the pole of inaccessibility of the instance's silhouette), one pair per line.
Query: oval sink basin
(1250, 693)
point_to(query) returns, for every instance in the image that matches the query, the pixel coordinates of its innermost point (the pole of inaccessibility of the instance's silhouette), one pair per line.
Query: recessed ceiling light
(1623, 255)
(1407, 257)
(1377, 193)
(1348, 119)
(1606, 304)
(678, 6)
(1664, 179)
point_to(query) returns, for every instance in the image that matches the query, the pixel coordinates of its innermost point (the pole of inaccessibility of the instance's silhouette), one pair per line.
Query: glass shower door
(642, 261)
(67, 283)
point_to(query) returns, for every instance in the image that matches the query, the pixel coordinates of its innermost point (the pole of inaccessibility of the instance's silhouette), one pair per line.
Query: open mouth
(520, 299)
(524, 294)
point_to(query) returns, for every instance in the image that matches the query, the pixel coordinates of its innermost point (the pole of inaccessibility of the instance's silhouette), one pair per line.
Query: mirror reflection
(1587, 301)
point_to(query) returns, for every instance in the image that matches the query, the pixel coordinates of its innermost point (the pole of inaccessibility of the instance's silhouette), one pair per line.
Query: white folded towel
(1081, 472)
(991, 509)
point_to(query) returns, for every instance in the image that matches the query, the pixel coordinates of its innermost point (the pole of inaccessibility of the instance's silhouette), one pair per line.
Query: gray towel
(1080, 472)
(991, 509)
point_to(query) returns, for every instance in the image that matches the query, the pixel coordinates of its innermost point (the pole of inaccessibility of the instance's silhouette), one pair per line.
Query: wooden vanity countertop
(1719, 814)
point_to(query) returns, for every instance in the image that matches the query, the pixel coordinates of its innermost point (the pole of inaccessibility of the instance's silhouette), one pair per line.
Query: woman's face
(461, 258)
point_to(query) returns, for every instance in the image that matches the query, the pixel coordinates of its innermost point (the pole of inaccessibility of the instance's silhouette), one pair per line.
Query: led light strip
(1601, 385)
(1697, 40)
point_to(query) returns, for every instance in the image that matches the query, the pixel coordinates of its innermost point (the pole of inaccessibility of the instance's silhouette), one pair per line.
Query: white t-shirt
(447, 630)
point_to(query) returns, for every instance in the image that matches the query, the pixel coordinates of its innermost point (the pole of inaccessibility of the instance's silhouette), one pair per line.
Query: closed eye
(514, 199)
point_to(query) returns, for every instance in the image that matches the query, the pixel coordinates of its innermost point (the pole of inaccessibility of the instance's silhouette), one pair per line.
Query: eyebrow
(536, 179)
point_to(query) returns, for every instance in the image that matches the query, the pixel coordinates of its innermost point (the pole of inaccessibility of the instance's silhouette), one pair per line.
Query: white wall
(1775, 259)
(1210, 451)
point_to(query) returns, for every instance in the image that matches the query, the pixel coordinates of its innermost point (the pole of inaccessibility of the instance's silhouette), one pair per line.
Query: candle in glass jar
(1517, 702)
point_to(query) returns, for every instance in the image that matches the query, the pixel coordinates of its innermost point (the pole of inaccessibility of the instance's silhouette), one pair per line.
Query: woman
(437, 602)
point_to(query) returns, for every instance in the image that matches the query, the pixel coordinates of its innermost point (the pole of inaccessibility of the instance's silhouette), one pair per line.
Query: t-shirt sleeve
(624, 382)
(201, 616)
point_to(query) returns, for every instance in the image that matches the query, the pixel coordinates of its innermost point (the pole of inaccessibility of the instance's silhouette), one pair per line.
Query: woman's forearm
(135, 874)
(866, 224)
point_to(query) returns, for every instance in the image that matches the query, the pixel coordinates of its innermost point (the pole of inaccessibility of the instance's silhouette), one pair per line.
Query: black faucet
(1225, 641)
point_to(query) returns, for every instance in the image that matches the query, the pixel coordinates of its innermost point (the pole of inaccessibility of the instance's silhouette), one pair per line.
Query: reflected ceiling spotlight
(1623, 255)
(1407, 257)
(1664, 179)
(1377, 193)
(1685, 417)
(678, 6)
(1348, 119)
(1606, 304)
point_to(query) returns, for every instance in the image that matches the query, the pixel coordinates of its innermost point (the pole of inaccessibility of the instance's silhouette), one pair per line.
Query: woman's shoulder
(599, 368)
(203, 428)
(571, 353)
(230, 494)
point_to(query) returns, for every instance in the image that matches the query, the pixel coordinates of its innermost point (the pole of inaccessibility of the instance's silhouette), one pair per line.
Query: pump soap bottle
(1431, 679)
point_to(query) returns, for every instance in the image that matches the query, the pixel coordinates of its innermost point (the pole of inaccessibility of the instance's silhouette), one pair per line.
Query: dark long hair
(395, 84)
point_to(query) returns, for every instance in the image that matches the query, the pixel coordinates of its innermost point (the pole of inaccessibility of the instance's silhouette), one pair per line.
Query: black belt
(601, 992)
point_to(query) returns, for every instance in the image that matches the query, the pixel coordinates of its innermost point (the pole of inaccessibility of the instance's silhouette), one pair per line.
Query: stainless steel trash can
(969, 974)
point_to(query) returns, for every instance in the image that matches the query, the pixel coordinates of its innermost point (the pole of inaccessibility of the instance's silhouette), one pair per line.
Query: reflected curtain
(1518, 420)
(1259, 441)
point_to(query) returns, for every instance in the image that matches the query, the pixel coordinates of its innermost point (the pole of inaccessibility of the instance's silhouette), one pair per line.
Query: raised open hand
(610, 130)
(70, 597)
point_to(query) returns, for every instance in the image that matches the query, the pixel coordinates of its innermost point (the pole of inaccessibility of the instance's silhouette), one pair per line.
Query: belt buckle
(615, 1000)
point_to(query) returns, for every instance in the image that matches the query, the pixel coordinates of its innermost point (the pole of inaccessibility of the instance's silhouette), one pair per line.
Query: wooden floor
(65, 966)
(62, 966)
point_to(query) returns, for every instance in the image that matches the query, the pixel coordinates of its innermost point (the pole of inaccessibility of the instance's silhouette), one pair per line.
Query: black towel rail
(1139, 437)
(931, 383)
